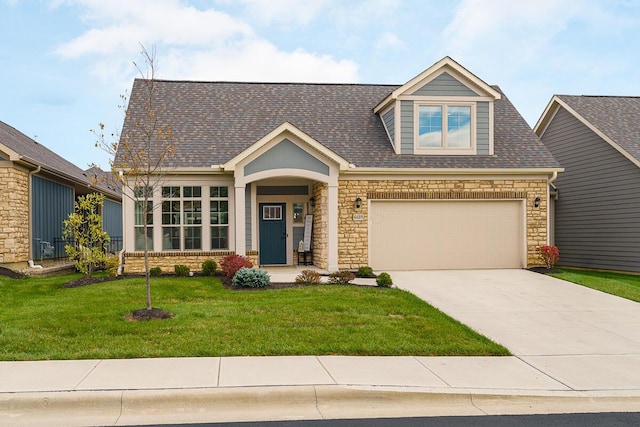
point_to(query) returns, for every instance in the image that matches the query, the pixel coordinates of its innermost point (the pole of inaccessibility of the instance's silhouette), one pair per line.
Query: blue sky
(65, 63)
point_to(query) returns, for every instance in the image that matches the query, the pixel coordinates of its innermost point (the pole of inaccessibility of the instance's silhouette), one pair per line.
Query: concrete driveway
(577, 335)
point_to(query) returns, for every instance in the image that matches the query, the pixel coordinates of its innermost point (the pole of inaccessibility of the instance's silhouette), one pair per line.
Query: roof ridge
(270, 83)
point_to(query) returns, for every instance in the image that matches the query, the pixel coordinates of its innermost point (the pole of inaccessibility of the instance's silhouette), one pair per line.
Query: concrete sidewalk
(576, 350)
(188, 390)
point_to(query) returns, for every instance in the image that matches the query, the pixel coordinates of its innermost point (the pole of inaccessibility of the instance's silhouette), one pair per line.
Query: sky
(64, 64)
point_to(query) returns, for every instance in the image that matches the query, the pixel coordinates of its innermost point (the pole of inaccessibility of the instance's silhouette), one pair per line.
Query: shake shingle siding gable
(215, 121)
(596, 218)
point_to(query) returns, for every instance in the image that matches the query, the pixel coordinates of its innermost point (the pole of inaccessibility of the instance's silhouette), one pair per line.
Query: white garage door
(411, 235)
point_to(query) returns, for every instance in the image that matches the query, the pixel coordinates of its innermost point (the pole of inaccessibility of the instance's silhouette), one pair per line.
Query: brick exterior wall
(134, 261)
(14, 221)
(353, 238)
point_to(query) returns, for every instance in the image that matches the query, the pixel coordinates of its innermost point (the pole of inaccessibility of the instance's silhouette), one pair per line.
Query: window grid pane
(193, 238)
(430, 126)
(171, 212)
(219, 236)
(139, 238)
(458, 127)
(170, 238)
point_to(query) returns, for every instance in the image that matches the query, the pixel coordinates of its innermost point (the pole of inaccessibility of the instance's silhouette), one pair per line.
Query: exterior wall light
(536, 202)
(312, 202)
(358, 203)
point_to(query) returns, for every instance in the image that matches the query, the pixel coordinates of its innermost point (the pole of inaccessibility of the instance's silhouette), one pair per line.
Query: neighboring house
(37, 193)
(597, 213)
(441, 172)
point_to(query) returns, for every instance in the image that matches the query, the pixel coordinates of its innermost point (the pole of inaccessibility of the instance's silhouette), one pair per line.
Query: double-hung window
(140, 211)
(219, 217)
(445, 128)
(181, 218)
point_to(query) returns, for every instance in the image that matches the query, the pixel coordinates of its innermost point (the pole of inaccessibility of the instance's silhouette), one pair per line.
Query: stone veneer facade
(353, 238)
(134, 261)
(14, 221)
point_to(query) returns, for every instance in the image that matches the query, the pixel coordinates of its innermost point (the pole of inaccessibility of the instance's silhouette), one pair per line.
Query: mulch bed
(544, 270)
(12, 274)
(143, 314)
(84, 281)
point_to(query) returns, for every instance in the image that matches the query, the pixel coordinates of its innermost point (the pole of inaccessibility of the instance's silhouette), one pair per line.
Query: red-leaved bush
(550, 255)
(232, 263)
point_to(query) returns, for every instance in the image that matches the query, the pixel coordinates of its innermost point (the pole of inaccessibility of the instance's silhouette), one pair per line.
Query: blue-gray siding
(406, 127)
(597, 217)
(112, 218)
(444, 85)
(247, 217)
(286, 155)
(388, 119)
(482, 127)
(51, 204)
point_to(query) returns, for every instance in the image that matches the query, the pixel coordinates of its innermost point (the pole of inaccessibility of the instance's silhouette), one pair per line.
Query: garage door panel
(446, 234)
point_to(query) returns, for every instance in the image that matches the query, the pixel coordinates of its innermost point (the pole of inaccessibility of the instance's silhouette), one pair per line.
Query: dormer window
(444, 128)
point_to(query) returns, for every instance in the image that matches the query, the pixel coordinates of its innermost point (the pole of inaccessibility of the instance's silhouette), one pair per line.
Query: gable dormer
(445, 110)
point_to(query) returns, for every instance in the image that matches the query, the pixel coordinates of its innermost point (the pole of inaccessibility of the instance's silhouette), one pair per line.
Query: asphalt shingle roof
(215, 121)
(618, 117)
(38, 154)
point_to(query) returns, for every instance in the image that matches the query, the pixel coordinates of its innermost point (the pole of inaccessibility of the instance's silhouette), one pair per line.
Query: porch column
(332, 227)
(239, 224)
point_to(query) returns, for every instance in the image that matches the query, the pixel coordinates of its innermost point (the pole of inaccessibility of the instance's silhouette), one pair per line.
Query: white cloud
(389, 41)
(191, 43)
(519, 29)
(292, 13)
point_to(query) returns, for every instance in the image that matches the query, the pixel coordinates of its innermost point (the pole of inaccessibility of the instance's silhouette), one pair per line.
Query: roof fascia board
(13, 155)
(445, 64)
(597, 131)
(546, 116)
(284, 128)
(453, 171)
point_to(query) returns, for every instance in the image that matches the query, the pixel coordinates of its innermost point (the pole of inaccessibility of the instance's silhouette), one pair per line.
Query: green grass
(39, 321)
(619, 284)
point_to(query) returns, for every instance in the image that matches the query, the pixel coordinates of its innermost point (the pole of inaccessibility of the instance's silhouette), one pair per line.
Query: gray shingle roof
(37, 154)
(618, 117)
(215, 121)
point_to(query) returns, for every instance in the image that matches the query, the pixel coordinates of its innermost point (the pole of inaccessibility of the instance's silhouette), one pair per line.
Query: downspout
(554, 193)
(120, 270)
(30, 210)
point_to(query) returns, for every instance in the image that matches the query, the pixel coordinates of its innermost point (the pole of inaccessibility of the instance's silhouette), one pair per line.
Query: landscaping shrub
(549, 254)
(155, 271)
(251, 278)
(341, 277)
(308, 277)
(232, 263)
(384, 280)
(181, 270)
(111, 264)
(209, 267)
(366, 271)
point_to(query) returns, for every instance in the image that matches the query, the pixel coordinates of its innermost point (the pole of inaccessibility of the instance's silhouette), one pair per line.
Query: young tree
(140, 153)
(84, 225)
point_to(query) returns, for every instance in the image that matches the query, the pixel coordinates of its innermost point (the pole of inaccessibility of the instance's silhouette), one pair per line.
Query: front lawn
(39, 320)
(619, 284)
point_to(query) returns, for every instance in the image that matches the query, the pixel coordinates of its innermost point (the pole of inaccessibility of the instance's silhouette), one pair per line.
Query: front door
(273, 234)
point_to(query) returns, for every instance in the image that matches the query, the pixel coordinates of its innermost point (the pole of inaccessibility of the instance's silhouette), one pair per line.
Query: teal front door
(273, 234)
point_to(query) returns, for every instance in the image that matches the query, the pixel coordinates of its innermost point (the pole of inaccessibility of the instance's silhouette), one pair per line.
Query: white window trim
(443, 150)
